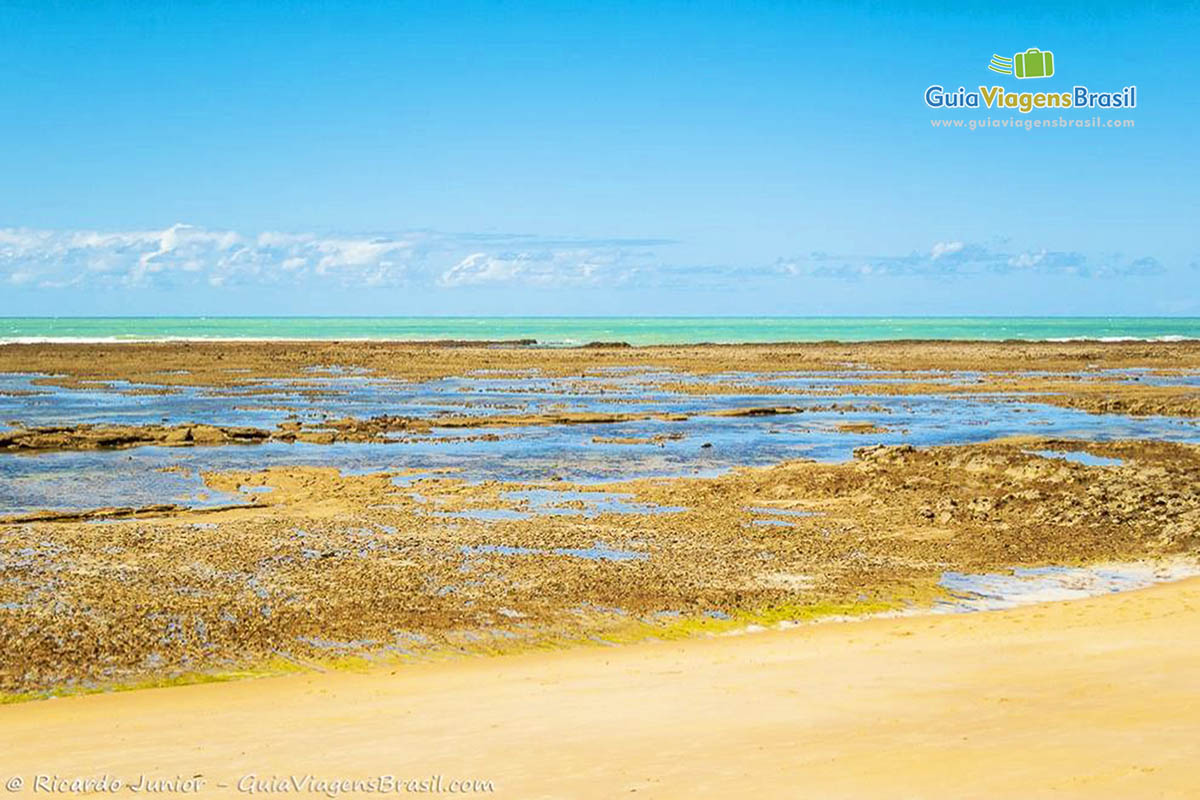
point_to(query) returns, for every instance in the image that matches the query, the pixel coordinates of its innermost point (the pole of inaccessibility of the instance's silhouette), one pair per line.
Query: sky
(598, 159)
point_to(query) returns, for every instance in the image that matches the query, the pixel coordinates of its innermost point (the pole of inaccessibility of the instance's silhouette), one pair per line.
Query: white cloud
(476, 268)
(185, 255)
(956, 258)
(1027, 260)
(549, 267)
(943, 248)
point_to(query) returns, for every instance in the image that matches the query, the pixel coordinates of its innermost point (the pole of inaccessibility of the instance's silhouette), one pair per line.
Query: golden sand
(1085, 699)
(372, 598)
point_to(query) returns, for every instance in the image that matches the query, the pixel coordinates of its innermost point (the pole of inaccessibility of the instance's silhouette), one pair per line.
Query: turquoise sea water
(563, 331)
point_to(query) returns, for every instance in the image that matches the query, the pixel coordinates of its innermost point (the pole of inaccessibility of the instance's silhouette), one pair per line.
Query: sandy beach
(560, 400)
(1091, 698)
(590, 572)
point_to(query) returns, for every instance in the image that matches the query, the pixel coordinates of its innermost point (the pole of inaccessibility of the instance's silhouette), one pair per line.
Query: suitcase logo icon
(1033, 63)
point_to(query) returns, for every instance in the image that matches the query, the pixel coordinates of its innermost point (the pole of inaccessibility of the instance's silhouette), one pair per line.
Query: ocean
(567, 331)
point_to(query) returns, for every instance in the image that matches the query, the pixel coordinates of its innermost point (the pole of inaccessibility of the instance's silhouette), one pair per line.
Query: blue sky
(642, 158)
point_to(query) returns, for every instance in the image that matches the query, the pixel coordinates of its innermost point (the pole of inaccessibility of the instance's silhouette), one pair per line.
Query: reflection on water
(553, 502)
(1026, 586)
(597, 552)
(1079, 458)
(697, 445)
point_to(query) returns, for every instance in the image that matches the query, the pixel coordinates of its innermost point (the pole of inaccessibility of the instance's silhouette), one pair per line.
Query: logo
(1033, 63)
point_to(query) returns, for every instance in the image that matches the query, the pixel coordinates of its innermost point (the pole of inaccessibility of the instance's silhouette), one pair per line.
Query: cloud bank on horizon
(182, 256)
(748, 158)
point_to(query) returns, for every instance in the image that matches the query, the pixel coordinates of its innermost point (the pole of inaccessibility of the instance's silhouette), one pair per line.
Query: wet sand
(1091, 698)
(1005, 366)
(325, 567)
(216, 363)
(368, 596)
(393, 559)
